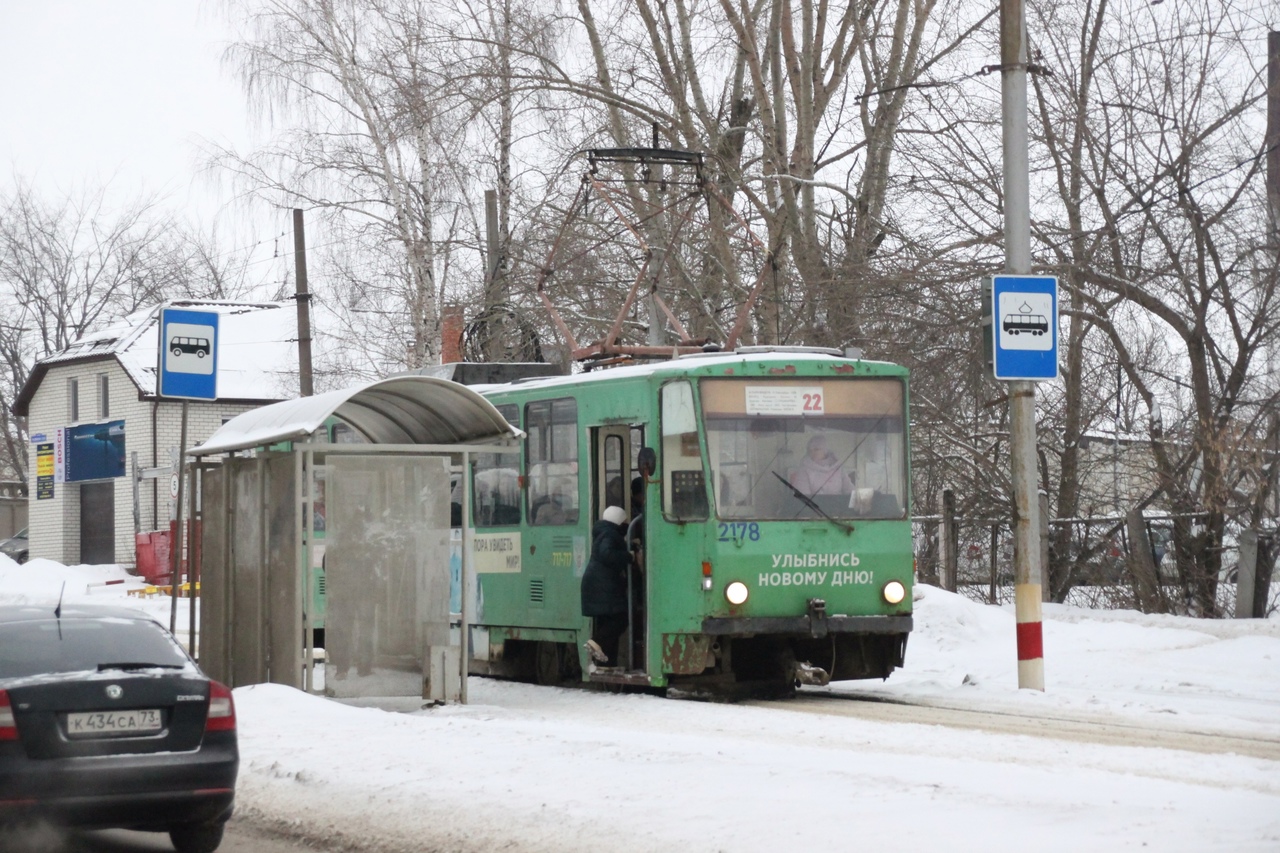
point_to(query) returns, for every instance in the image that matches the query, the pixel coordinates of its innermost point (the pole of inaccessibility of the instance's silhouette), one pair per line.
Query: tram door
(614, 468)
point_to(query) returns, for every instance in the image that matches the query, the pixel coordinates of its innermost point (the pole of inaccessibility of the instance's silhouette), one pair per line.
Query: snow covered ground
(537, 769)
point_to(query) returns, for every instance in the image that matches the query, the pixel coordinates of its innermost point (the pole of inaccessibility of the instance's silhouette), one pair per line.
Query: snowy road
(240, 837)
(543, 769)
(1155, 731)
(1100, 729)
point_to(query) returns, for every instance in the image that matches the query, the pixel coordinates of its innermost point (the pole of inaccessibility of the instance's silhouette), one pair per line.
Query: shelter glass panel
(386, 572)
(248, 648)
(214, 586)
(284, 623)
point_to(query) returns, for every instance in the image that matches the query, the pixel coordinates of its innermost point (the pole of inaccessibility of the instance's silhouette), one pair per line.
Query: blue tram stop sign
(1024, 327)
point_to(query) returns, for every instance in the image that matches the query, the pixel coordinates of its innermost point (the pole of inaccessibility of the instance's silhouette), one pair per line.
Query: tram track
(1106, 731)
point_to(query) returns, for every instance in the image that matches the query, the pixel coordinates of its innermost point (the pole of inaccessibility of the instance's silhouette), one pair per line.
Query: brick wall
(55, 524)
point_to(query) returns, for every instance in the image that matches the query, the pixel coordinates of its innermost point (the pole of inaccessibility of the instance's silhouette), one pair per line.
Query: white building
(92, 413)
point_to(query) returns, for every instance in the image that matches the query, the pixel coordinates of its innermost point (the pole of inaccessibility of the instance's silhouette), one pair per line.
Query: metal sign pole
(175, 547)
(193, 568)
(1022, 394)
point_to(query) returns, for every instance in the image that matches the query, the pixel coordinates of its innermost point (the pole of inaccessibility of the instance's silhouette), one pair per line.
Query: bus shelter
(330, 516)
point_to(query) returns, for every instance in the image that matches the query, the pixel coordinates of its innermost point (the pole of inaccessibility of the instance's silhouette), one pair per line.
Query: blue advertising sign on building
(95, 451)
(1024, 327)
(188, 362)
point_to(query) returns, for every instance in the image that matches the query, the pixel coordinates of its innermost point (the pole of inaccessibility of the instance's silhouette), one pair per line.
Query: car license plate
(98, 723)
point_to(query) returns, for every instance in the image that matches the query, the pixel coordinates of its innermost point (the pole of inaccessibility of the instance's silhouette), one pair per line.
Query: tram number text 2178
(735, 531)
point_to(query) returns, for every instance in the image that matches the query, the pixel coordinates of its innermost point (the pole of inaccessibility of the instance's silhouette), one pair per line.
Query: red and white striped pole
(1022, 394)
(1030, 636)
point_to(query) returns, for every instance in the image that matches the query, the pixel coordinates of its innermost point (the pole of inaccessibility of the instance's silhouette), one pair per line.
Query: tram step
(619, 676)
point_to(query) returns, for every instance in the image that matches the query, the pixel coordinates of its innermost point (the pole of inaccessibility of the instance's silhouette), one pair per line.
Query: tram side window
(344, 434)
(684, 488)
(552, 459)
(496, 487)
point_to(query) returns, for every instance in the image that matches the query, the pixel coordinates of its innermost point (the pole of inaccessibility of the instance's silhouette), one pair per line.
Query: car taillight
(222, 709)
(8, 725)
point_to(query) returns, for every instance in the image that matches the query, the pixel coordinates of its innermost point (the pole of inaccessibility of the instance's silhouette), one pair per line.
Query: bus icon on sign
(1016, 324)
(199, 347)
(187, 348)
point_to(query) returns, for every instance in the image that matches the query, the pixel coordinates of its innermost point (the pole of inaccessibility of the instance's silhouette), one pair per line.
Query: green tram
(754, 569)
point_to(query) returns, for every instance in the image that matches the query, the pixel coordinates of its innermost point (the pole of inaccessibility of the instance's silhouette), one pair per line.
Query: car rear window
(74, 645)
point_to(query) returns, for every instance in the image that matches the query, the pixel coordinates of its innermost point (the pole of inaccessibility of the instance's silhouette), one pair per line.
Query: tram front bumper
(804, 626)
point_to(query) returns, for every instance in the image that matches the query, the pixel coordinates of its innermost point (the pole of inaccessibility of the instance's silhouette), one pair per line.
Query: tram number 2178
(735, 531)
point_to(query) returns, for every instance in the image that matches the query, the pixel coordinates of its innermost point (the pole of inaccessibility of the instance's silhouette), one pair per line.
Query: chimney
(451, 326)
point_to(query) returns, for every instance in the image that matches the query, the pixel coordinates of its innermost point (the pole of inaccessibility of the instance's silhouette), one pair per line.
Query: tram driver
(821, 472)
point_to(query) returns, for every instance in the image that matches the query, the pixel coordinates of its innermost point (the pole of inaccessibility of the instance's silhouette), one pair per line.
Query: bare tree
(372, 135)
(71, 265)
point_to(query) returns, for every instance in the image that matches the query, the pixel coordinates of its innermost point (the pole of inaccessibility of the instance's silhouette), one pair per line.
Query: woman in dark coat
(604, 585)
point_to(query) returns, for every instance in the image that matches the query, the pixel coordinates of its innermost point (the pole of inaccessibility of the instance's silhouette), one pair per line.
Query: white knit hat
(615, 515)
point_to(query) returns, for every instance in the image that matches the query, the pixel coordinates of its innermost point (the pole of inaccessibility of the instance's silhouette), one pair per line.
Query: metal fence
(1100, 549)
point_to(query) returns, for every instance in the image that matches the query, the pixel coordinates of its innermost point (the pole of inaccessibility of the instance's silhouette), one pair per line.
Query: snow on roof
(398, 410)
(257, 350)
(741, 356)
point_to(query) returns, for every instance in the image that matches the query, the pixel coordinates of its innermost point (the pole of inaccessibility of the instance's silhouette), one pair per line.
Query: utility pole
(1273, 199)
(1273, 133)
(303, 298)
(1027, 571)
(1115, 445)
(494, 282)
(657, 260)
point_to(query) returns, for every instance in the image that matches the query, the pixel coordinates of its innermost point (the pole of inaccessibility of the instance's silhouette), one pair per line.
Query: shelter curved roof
(397, 410)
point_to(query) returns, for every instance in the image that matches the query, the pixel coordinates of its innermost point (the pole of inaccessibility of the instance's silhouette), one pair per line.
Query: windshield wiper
(812, 504)
(139, 665)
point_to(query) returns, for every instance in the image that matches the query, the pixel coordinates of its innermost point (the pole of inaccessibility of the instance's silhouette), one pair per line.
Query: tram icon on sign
(1023, 327)
(1016, 324)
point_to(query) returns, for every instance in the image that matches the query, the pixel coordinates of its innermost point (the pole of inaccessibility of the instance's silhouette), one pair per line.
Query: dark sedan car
(106, 722)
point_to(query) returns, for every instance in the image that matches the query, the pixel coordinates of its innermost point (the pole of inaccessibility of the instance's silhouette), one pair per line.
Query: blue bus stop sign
(1024, 327)
(188, 362)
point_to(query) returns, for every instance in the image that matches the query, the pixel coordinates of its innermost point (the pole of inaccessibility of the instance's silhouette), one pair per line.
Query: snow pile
(538, 769)
(41, 582)
(1213, 675)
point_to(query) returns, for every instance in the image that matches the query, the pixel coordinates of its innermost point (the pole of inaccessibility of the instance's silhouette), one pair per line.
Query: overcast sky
(116, 90)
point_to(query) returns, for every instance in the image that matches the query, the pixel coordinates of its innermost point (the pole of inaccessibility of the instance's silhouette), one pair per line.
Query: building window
(104, 396)
(73, 399)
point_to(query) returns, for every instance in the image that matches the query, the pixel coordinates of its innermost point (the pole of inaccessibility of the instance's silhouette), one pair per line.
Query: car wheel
(22, 558)
(197, 837)
(177, 352)
(199, 353)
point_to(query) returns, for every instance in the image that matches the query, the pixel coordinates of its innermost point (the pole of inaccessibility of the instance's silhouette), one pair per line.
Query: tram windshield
(801, 448)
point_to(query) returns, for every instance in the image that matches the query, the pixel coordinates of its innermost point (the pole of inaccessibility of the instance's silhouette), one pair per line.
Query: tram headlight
(736, 593)
(894, 592)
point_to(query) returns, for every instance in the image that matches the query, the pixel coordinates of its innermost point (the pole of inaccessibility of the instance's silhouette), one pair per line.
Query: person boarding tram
(604, 585)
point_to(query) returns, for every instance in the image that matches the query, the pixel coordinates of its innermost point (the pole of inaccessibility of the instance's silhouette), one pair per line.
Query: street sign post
(187, 369)
(188, 359)
(1024, 327)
